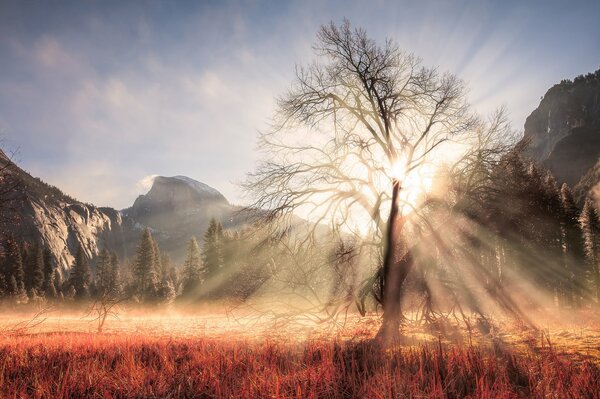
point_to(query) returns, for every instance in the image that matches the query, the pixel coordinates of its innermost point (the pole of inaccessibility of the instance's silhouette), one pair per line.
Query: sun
(399, 170)
(415, 184)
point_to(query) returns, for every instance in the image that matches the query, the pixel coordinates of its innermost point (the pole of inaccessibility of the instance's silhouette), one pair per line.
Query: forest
(544, 239)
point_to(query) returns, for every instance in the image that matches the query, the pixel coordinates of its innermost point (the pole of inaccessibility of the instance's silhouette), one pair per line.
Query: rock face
(564, 130)
(177, 208)
(37, 212)
(574, 155)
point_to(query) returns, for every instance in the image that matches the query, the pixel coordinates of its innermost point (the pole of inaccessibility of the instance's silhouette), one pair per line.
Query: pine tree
(573, 245)
(510, 182)
(34, 270)
(168, 292)
(103, 273)
(115, 281)
(3, 284)
(144, 267)
(59, 285)
(212, 249)
(590, 225)
(13, 268)
(165, 267)
(192, 268)
(168, 279)
(551, 239)
(25, 254)
(80, 276)
(4, 276)
(157, 260)
(49, 288)
(127, 277)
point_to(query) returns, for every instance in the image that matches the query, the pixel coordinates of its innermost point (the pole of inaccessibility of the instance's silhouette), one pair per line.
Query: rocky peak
(182, 191)
(43, 213)
(564, 130)
(177, 208)
(168, 196)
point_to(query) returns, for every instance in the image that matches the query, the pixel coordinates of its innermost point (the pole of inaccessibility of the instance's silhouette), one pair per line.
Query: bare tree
(107, 304)
(348, 139)
(25, 326)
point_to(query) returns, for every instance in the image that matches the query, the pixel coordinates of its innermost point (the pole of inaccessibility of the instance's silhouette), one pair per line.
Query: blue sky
(97, 96)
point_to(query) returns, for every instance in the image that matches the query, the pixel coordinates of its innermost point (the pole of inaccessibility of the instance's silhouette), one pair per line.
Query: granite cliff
(563, 132)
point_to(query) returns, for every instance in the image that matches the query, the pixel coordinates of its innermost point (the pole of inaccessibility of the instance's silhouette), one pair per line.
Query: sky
(97, 96)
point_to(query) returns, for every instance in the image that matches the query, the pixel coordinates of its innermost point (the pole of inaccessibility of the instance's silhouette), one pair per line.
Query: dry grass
(148, 360)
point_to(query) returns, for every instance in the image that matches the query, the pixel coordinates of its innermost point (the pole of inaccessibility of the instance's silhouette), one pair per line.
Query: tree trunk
(597, 282)
(395, 270)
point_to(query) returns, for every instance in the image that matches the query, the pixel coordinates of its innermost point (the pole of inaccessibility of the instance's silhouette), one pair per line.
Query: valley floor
(211, 356)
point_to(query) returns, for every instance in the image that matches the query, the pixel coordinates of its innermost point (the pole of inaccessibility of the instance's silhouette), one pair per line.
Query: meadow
(211, 356)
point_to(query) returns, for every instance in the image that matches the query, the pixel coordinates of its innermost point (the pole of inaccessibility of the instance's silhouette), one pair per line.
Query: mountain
(563, 132)
(34, 211)
(177, 208)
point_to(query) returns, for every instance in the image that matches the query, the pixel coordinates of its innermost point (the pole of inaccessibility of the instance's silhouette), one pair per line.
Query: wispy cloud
(99, 97)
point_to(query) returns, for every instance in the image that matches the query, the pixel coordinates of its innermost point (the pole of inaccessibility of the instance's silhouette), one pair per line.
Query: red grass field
(59, 359)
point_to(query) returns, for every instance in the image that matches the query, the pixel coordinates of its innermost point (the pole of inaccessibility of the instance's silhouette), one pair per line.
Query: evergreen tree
(80, 276)
(590, 225)
(157, 260)
(104, 273)
(145, 275)
(3, 283)
(49, 288)
(4, 276)
(58, 284)
(127, 277)
(25, 253)
(165, 267)
(192, 268)
(231, 245)
(510, 181)
(174, 277)
(212, 249)
(168, 279)
(34, 270)
(13, 268)
(573, 245)
(550, 246)
(115, 280)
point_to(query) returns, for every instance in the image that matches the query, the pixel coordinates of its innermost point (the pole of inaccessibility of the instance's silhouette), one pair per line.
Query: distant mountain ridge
(178, 207)
(40, 212)
(175, 208)
(563, 133)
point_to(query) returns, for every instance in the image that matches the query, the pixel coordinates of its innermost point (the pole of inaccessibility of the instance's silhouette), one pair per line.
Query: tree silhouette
(80, 276)
(34, 270)
(192, 269)
(12, 268)
(145, 269)
(104, 272)
(590, 225)
(212, 248)
(49, 288)
(354, 128)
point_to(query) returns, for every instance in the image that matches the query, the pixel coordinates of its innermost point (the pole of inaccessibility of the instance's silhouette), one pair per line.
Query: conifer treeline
(527, 228)
(28, 272)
